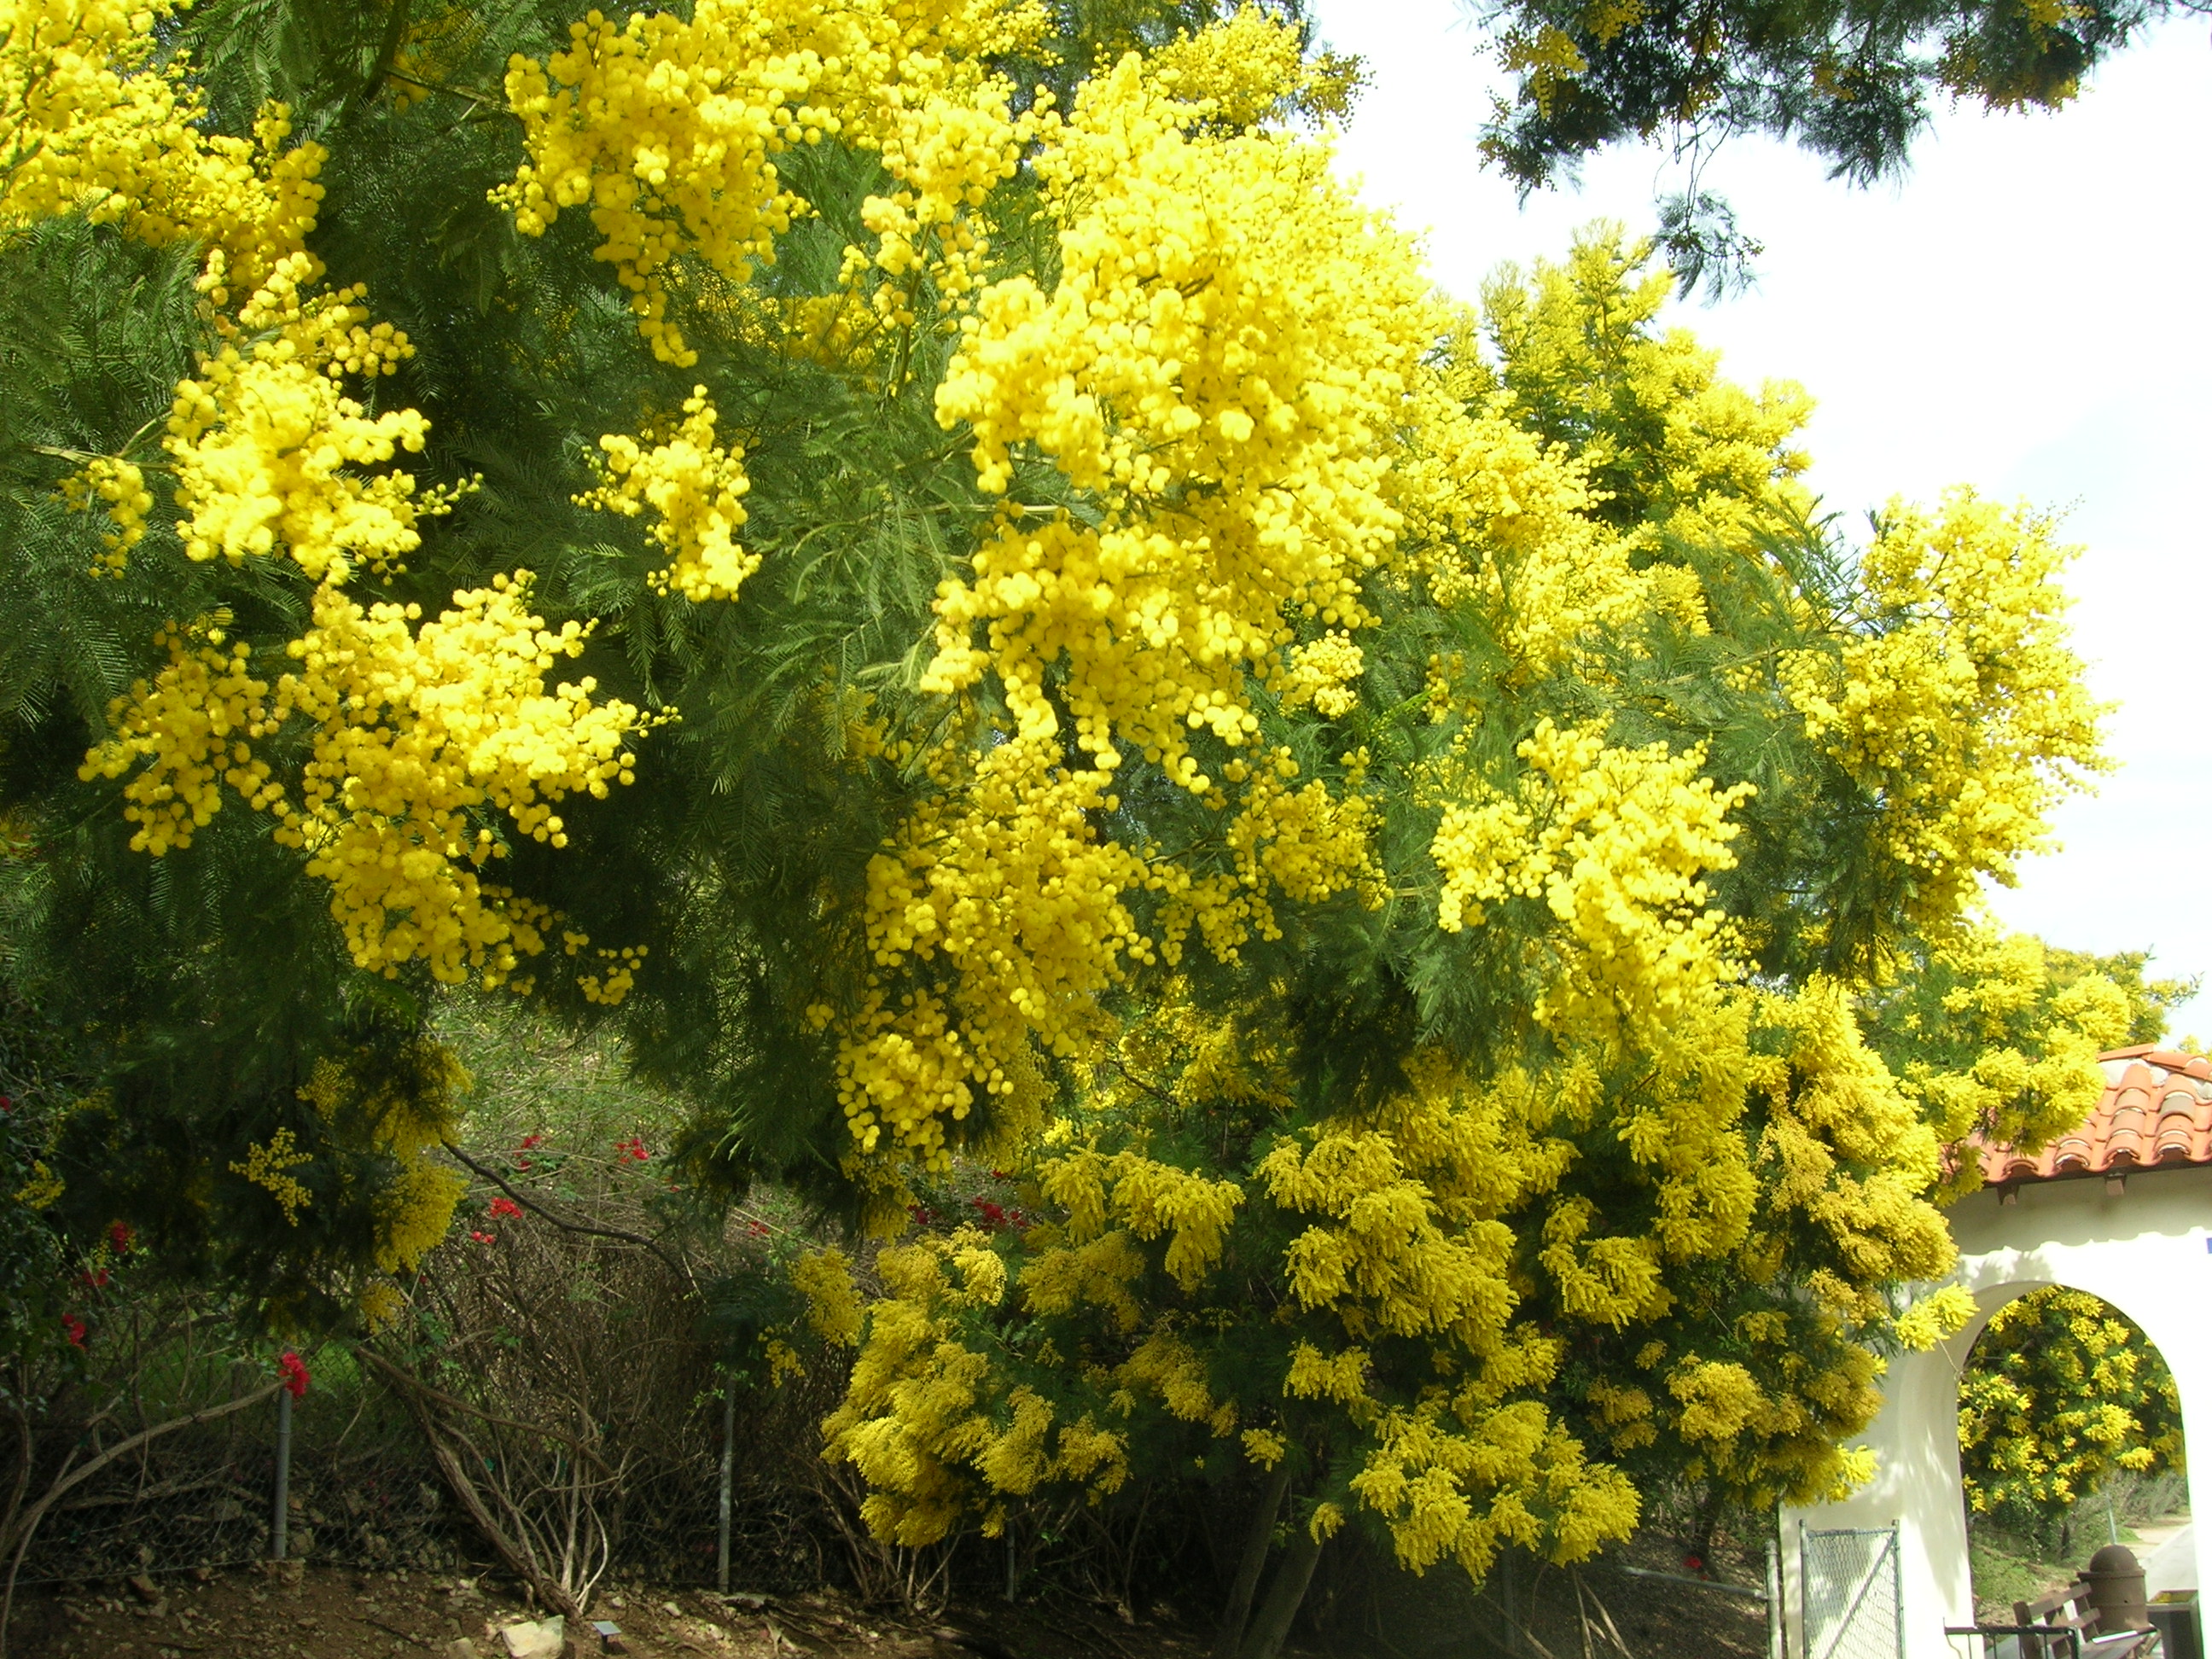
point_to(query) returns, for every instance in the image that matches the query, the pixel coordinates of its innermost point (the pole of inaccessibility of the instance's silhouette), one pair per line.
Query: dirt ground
(296, 1612)
(311, 1612)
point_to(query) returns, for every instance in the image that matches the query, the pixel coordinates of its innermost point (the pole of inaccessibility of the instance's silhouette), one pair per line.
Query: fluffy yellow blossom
(263, 438)
(667, 129)
(824, 1276)
(1960, 710)
(928, 1422)
(416, 732)
(2061, 1390)
(694, 489)
(1614, 841)
(399, 1107)
(417, 735)
(92, 122)
(268, 1166)
(121, 486)
(1251, 66)
(191, 725)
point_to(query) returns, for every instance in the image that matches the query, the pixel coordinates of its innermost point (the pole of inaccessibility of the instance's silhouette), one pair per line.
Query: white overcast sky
(2025, 312)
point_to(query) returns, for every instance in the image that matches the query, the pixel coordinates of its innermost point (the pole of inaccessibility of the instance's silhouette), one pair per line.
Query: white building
(2121, 1208)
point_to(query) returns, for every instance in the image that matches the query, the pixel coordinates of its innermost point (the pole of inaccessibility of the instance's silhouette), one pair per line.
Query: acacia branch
(622, 1234)
(416, 1386)
(519, 1560)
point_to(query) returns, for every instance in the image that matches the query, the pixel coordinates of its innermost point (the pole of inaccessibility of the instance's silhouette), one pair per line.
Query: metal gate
(1853, 1580)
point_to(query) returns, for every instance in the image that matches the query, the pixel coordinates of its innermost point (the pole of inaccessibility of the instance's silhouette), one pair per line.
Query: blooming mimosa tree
(930, 559)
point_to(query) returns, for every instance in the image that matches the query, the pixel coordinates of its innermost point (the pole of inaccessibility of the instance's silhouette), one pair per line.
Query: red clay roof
(2156, 1113)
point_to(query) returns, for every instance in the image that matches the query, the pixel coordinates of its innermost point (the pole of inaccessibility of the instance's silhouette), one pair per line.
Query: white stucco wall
(2148, 1252)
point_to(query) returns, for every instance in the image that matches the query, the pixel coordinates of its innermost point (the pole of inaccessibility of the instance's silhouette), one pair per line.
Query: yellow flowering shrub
(1428, 872)
(1998, 1036)
(398, 1108)
(2061, 1390)
(417, 731)
(1961, 708)
(417, 734)
(268, 1167)
(262, 440)
(91, 122)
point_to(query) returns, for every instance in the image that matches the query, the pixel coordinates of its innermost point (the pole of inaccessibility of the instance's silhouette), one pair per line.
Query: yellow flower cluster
(824, 1278)
(1434, 1463)
(268, 1166)
(946, 148)
(1010, 881)
(1851, 1157)
(925, 1421)
(1321, 673)
(1251, 66)
(2019, 1029)
(694, 490)
(90, 122)
(121, 486)
(191, 725)
(2061, 1390)
(1615, 843)
(1961, 709)
(398, 1108)
(416, 733)
(1225, 348)
(1150, 1198)
(261, 439)
(668, 128)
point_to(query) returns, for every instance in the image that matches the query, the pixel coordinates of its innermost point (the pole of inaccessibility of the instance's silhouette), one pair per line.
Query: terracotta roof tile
(2156, 1111)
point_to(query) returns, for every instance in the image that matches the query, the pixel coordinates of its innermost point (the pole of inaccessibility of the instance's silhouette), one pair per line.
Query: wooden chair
(2071, 1609)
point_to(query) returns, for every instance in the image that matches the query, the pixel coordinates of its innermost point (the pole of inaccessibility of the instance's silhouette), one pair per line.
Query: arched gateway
(2121, 1208)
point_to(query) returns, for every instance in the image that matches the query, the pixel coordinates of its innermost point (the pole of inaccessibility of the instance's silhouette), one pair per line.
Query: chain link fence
(1853, 1579)
(364, 1490)
(205, 1497)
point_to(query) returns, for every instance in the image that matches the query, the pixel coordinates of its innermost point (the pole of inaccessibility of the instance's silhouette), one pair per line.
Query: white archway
(2142, 1241)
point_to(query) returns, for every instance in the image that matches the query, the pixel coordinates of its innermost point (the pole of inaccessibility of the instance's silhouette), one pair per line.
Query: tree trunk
(1257, 1538)
(1286, 1593)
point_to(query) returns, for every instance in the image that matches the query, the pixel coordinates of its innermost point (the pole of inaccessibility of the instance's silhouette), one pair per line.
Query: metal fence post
(283, 1473)
(729, 1455)
(1775, 1639)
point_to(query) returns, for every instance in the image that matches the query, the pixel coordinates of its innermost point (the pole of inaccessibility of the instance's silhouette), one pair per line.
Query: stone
(540, 1640)
(459, 1647)
(143, 1588)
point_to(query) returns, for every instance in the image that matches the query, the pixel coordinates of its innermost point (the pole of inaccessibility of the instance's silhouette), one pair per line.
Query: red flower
(1000, 1215)
(484, 1238)
(1694, 1563)
(528, 1141)
(632, 1150)
(7, 1103)
(505, 1206)
(74, 1326)
(294, 1369)
(756, 1228)
(121, 1235)
(96, 1276)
